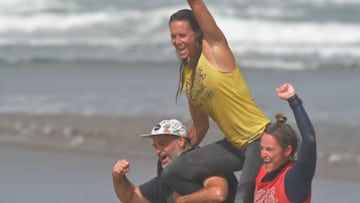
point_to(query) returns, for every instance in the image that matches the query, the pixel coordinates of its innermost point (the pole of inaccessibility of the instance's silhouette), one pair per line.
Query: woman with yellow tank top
(213, 84)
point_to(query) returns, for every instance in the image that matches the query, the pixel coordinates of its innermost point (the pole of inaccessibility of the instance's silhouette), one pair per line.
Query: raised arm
(124, 189)
(215, 191)
(298, 179)
(200, 126)
(215, 46)
(212, 33)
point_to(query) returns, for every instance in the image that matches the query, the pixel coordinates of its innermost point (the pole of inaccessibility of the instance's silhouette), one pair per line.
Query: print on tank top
(198, 91)
(265, 196)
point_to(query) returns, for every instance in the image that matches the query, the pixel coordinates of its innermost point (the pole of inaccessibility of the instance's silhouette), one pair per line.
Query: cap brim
(150, 135)
(146, 135)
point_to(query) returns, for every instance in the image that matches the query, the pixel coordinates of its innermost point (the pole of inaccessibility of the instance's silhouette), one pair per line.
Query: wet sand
(42, 175)
(36, 175)
(68, 158)
(338, 152)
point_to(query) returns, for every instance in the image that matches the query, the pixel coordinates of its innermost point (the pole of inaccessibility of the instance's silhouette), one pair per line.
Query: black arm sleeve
(298, 179)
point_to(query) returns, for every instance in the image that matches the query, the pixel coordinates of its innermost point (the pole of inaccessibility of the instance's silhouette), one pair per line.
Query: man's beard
(173, 155)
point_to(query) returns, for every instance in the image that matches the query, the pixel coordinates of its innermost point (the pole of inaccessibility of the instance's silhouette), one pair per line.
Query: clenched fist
(121, 167)
(285, 91)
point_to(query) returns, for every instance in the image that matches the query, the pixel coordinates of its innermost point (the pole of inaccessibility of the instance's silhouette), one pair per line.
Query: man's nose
(158, 150)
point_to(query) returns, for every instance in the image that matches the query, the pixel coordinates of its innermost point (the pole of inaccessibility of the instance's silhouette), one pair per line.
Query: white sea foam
(270, 32)
(30, 6)
(271, 64)
(265, 33)
(51, 22)
(337, 157)
(321, 2)
(245, 36)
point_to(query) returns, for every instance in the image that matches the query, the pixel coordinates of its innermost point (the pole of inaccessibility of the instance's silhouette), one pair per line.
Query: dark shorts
(184, 174)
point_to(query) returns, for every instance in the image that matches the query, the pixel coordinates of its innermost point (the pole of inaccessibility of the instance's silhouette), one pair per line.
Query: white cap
(168, 127)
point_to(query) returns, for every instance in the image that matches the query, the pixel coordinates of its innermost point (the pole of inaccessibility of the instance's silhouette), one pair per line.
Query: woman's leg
(187, 172)
(246, 185)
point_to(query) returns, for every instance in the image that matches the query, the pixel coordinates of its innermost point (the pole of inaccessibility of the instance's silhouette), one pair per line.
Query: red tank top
(273, 191)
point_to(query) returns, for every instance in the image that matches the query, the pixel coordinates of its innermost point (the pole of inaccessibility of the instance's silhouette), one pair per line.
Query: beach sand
(338, 151)
(69, 158)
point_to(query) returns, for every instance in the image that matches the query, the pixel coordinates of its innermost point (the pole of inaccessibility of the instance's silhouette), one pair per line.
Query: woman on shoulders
(215, 88)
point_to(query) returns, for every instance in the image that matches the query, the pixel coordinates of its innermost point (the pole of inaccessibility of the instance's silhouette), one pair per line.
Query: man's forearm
(124, 189)
(214, 191)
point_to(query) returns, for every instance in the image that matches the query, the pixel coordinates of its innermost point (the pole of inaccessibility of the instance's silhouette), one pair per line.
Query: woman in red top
(282, 177)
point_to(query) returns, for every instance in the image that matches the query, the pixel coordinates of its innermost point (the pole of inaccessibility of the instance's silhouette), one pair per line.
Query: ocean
(90, 76)
(264, 34)
(120, 43)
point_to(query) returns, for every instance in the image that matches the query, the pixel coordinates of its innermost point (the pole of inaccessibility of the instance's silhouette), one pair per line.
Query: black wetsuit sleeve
(299, 177)
(151, 191)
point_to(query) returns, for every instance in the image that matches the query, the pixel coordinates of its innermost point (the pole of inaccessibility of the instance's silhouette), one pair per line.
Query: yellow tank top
(226, 99)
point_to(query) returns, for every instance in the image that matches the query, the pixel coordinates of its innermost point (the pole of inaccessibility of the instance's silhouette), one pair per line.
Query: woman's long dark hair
(187, 15)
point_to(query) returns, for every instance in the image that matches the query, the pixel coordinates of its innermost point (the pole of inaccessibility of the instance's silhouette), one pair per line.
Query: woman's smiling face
(184, 39)
(271, 152)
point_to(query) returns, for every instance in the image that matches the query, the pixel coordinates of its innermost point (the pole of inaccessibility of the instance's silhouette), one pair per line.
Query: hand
(285, 91)
(121, 167)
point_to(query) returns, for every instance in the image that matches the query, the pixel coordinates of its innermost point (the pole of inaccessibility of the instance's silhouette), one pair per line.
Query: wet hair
(284, 134)
(186, 15)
